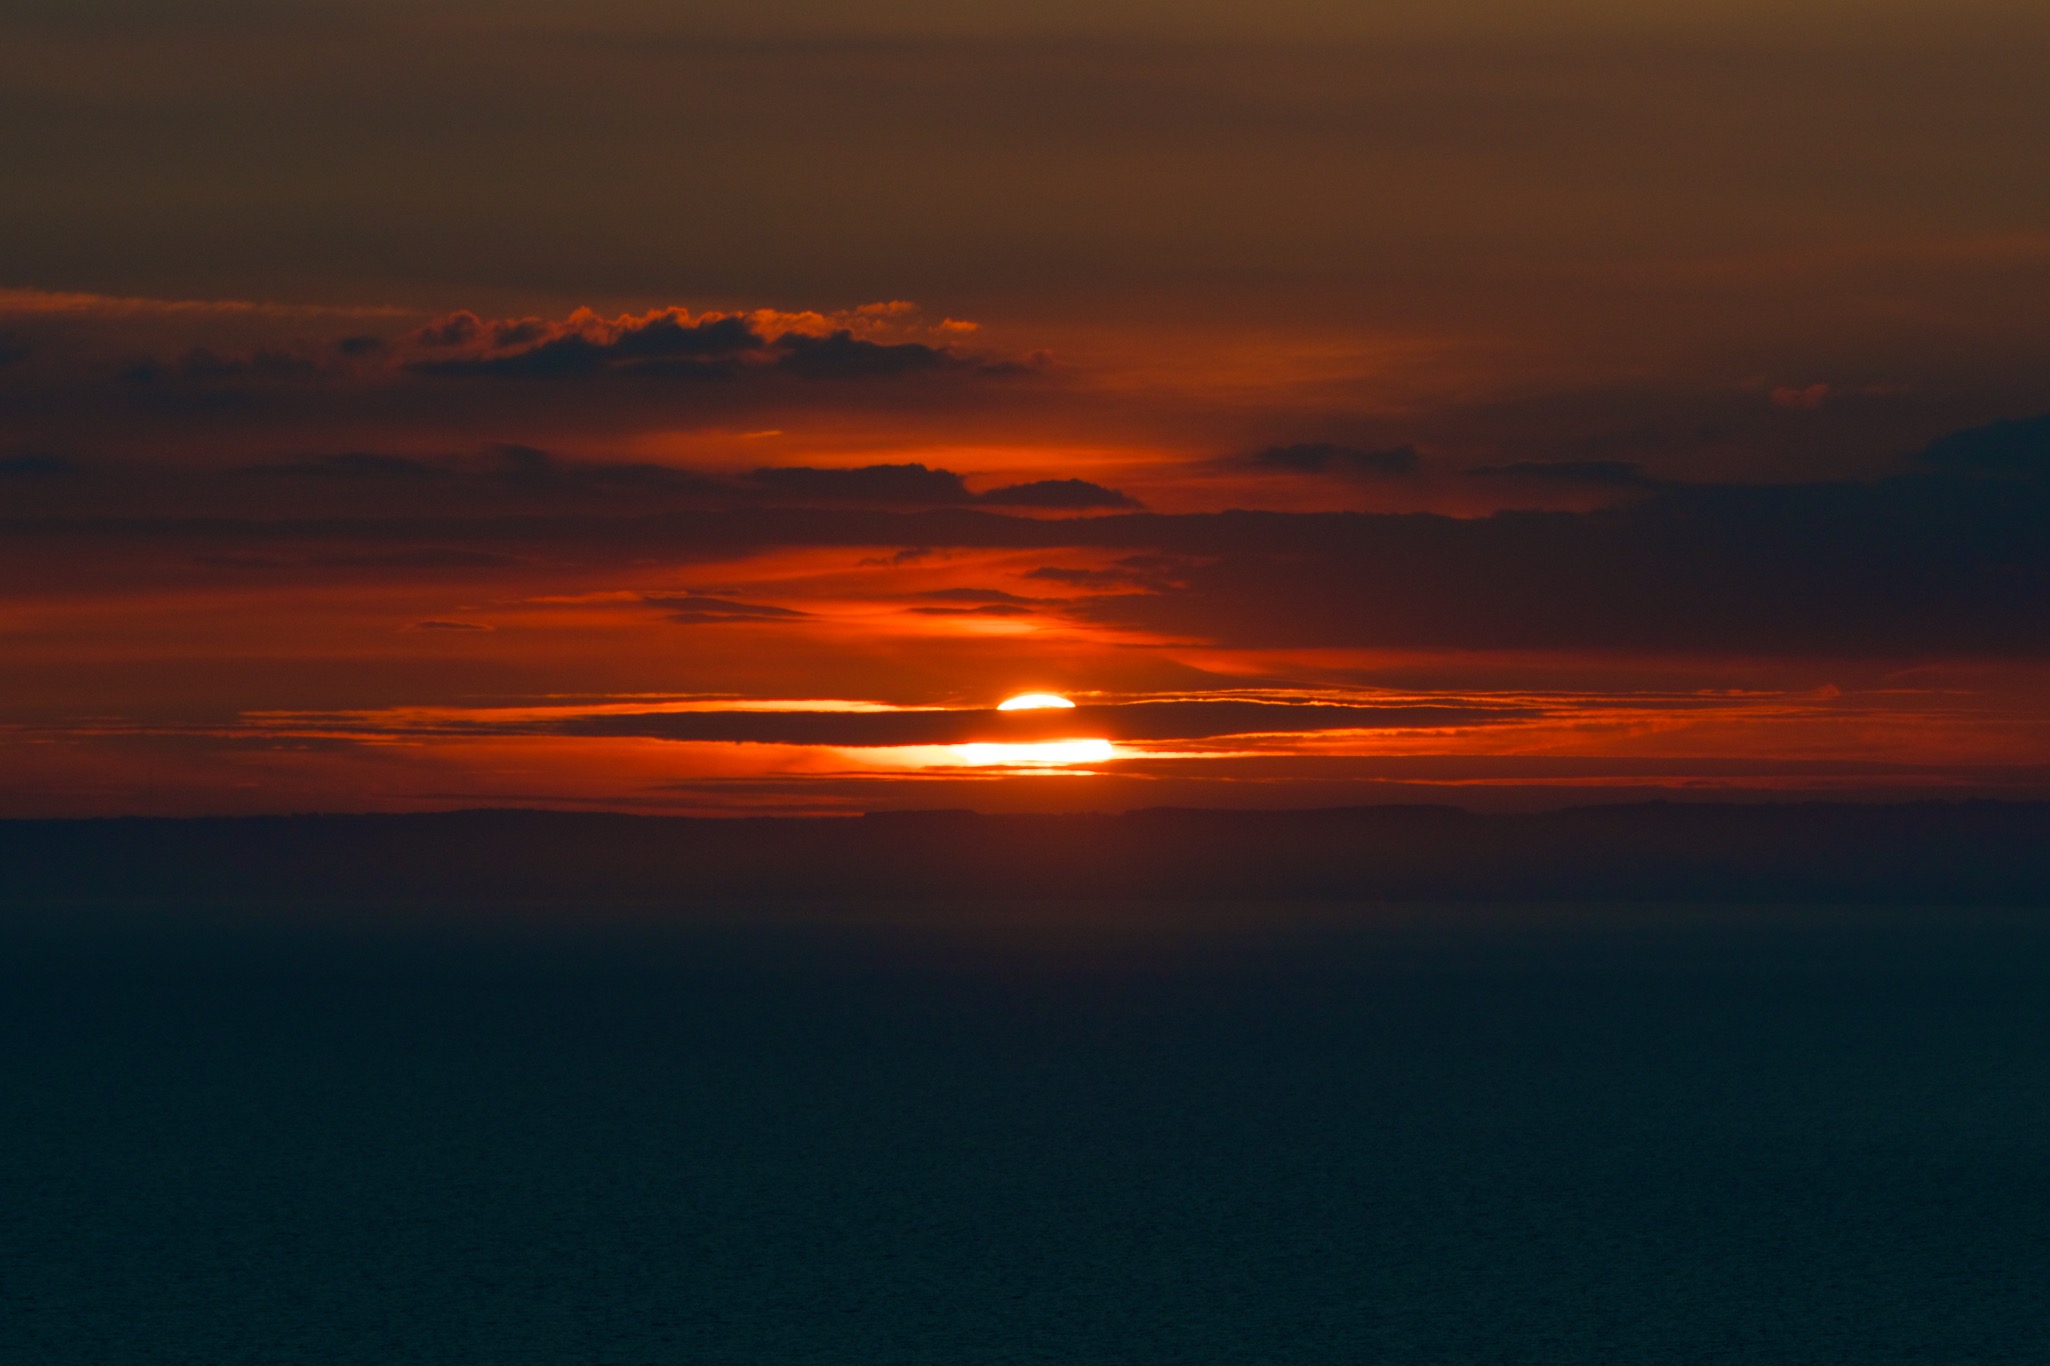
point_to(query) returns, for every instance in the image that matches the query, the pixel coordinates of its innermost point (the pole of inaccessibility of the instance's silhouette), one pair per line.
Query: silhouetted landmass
(1929, 852)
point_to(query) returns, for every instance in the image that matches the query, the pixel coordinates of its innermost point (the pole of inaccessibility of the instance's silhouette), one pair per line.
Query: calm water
(1432, 1137)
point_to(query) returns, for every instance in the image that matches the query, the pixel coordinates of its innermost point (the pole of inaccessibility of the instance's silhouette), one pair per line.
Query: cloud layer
(1946, 561)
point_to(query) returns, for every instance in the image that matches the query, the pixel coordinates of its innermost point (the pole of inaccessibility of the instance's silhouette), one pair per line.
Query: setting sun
(1034, 701)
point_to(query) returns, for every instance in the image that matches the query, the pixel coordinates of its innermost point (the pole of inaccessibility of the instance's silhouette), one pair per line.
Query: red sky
(435, 405)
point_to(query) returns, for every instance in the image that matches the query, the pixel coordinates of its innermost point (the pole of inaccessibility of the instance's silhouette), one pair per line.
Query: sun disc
(1034, 701)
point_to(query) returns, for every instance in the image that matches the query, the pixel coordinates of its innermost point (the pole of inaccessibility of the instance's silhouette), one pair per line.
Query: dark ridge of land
(1984, 853)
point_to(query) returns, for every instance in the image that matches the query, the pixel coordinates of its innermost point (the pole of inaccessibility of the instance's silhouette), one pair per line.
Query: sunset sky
(690, 408)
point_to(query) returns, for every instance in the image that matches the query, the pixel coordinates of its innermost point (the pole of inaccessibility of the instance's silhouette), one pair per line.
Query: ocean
(1058, 1134)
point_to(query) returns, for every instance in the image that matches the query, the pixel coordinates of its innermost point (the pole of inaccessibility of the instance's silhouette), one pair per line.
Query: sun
(1034, 701)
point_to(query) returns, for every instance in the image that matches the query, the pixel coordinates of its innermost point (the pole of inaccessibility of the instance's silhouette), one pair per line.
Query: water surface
(995, 1135)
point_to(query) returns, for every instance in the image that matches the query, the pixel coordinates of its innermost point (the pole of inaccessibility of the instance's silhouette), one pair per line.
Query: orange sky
(1433, 403)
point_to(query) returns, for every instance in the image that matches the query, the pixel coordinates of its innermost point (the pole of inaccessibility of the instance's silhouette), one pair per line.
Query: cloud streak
(1949, 561)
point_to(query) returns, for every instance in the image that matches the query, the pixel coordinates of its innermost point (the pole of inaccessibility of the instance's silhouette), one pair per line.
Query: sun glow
(1034, 701)
(1053, 752)
(1040, 756)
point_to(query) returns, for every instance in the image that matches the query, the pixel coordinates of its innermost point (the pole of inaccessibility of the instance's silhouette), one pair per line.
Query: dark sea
(978, 1134)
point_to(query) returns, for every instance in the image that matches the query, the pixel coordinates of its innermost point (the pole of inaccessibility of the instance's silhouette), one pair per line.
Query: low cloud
(663, 344)
(693, 609)
(841, 355)
(236, 372)
(457, 329)
(1129, 572)
(1804, 397)
(1910, 567)
(885, 485)
(866, 344)
(986, 595)
(1948, 561)
(1151, 721)
(916, 485)
(1066, 495)
(992, 609)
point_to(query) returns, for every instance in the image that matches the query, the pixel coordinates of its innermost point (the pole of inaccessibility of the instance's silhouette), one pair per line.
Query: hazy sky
(1571, 391)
